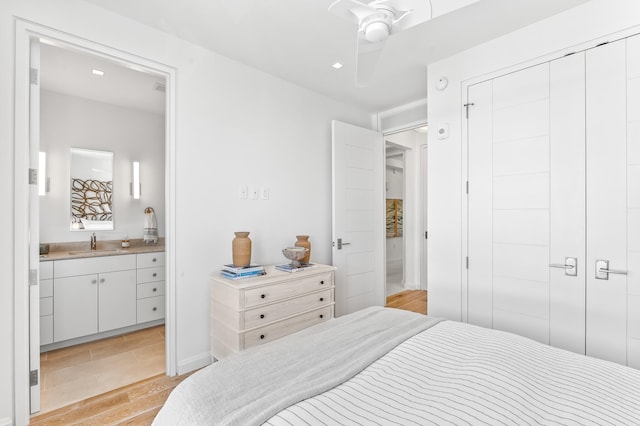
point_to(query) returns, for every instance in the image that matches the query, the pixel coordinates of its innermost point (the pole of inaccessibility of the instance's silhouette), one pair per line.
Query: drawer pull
(155, 274)
(261, 316)
(322, 299)
(102, 280)
(321, 316)
(155, 289)
(154, 259)
(154, 309)
(261, 336)
(262, 296)
(322, 282)
(94, 281)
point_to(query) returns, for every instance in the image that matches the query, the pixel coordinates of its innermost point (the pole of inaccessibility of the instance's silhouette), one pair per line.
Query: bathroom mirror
(91, 190)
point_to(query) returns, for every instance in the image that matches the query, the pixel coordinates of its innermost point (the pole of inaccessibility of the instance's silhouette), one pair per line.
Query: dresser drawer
(46, 306)
(295, 287)
(150, 260)
(150, 309)
(268, 313)
(150, 290)
(282, 328)
(149, 275)
(86, 266)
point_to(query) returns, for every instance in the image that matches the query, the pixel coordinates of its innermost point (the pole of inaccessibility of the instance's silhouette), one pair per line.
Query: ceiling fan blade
(350, 9)
(367, 59)
(398, 4)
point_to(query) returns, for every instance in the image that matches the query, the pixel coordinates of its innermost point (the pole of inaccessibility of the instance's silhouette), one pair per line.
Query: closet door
(508, 277)
(567, 203)
(606, 212)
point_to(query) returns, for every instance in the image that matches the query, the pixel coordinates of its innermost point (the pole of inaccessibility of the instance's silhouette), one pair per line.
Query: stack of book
(238, 272)
(290, 268)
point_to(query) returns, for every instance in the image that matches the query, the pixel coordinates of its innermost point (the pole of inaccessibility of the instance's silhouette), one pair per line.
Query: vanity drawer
(150, 309)
(46, 306)
(150, 275)
(46, 330)
(150, 290)
(86, 266)
(46, 288)
(150, 260)
(295, 287)
(269, 313)
(46, 270)
(285, 327)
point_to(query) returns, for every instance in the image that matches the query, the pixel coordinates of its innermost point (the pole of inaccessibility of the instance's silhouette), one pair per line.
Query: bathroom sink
(96, 252)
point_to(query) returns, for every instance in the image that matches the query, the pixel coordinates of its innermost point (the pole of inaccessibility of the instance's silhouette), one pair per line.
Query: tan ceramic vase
(241, 249)
(303, 241)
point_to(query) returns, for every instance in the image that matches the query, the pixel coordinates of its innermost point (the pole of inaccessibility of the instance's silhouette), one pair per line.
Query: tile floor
(79, 372)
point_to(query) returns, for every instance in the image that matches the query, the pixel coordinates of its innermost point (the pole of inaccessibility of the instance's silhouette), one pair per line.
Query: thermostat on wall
(442, 131)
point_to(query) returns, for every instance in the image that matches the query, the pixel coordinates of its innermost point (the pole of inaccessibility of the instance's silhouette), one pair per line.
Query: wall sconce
(43, 179)
(135, 188)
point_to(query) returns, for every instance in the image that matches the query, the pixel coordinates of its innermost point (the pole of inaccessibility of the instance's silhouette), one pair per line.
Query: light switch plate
(243, 192)
(264, 193)
(253, 193)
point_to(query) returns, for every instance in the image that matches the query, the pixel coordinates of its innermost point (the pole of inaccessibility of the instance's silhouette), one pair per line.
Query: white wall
(235, 126)
(132, 135)
(584, 24)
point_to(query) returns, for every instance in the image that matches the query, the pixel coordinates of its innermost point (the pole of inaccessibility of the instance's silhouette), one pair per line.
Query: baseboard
(194, 363)
(6, 422)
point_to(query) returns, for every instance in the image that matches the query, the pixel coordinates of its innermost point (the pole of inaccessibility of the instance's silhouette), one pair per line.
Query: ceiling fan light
(376, 32)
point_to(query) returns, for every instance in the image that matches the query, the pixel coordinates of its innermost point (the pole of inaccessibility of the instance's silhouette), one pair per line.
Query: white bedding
(451, 373)
(460, 374)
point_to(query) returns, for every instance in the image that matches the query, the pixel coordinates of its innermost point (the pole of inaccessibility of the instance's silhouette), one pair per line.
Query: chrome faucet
(93, 241)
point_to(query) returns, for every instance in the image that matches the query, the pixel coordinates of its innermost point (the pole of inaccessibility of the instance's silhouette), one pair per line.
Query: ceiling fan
(377, 20)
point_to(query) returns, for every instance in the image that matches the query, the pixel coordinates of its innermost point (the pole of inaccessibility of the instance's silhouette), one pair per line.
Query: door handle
(570, 266)
(603, 271)
(340, 244)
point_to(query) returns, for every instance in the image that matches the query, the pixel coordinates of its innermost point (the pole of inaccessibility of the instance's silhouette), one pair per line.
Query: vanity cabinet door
(116, 300)
(75, 303)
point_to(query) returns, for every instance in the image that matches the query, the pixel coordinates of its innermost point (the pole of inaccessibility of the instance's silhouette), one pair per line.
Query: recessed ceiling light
(337, 65)
(97, 72)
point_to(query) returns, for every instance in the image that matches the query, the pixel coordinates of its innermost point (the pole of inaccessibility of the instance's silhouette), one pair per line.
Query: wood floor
(409, 300)
(138, 404)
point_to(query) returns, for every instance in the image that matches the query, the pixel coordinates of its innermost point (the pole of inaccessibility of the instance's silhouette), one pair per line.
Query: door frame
(24, 31)
(415, 227)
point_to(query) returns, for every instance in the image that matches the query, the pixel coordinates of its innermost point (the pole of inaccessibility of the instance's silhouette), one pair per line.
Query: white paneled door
(554, 202)
(358, 217)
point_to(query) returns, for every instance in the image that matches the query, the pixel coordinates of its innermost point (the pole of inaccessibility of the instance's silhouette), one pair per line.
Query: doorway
(404, 209)
(27, 239)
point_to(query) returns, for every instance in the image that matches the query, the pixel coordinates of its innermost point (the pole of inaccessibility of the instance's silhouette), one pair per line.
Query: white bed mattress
(459, 374)
(385, 366)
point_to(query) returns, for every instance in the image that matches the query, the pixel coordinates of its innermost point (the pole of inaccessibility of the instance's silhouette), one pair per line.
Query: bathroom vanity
(89, 295)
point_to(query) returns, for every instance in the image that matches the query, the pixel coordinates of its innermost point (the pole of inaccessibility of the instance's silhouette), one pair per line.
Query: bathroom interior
(101, 225)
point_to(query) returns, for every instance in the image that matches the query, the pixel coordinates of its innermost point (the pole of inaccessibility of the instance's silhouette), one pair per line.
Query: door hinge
(425, 235)
(467, 105)
(467, 262)
(33, 76)
(467, 187)
(33, 276)
(33, 378)
(33, 176)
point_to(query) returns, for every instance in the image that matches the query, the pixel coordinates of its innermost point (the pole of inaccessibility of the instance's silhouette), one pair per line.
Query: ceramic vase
(303, 241)
(241, 249)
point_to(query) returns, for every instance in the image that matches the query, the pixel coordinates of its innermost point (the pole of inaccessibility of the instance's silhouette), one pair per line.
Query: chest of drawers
(249, 312)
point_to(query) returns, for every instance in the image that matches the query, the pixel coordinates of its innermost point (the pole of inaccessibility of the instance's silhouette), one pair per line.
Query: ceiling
(299, 40)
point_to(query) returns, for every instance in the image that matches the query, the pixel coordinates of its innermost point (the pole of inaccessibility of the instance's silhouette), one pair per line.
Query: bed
(387, 366)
